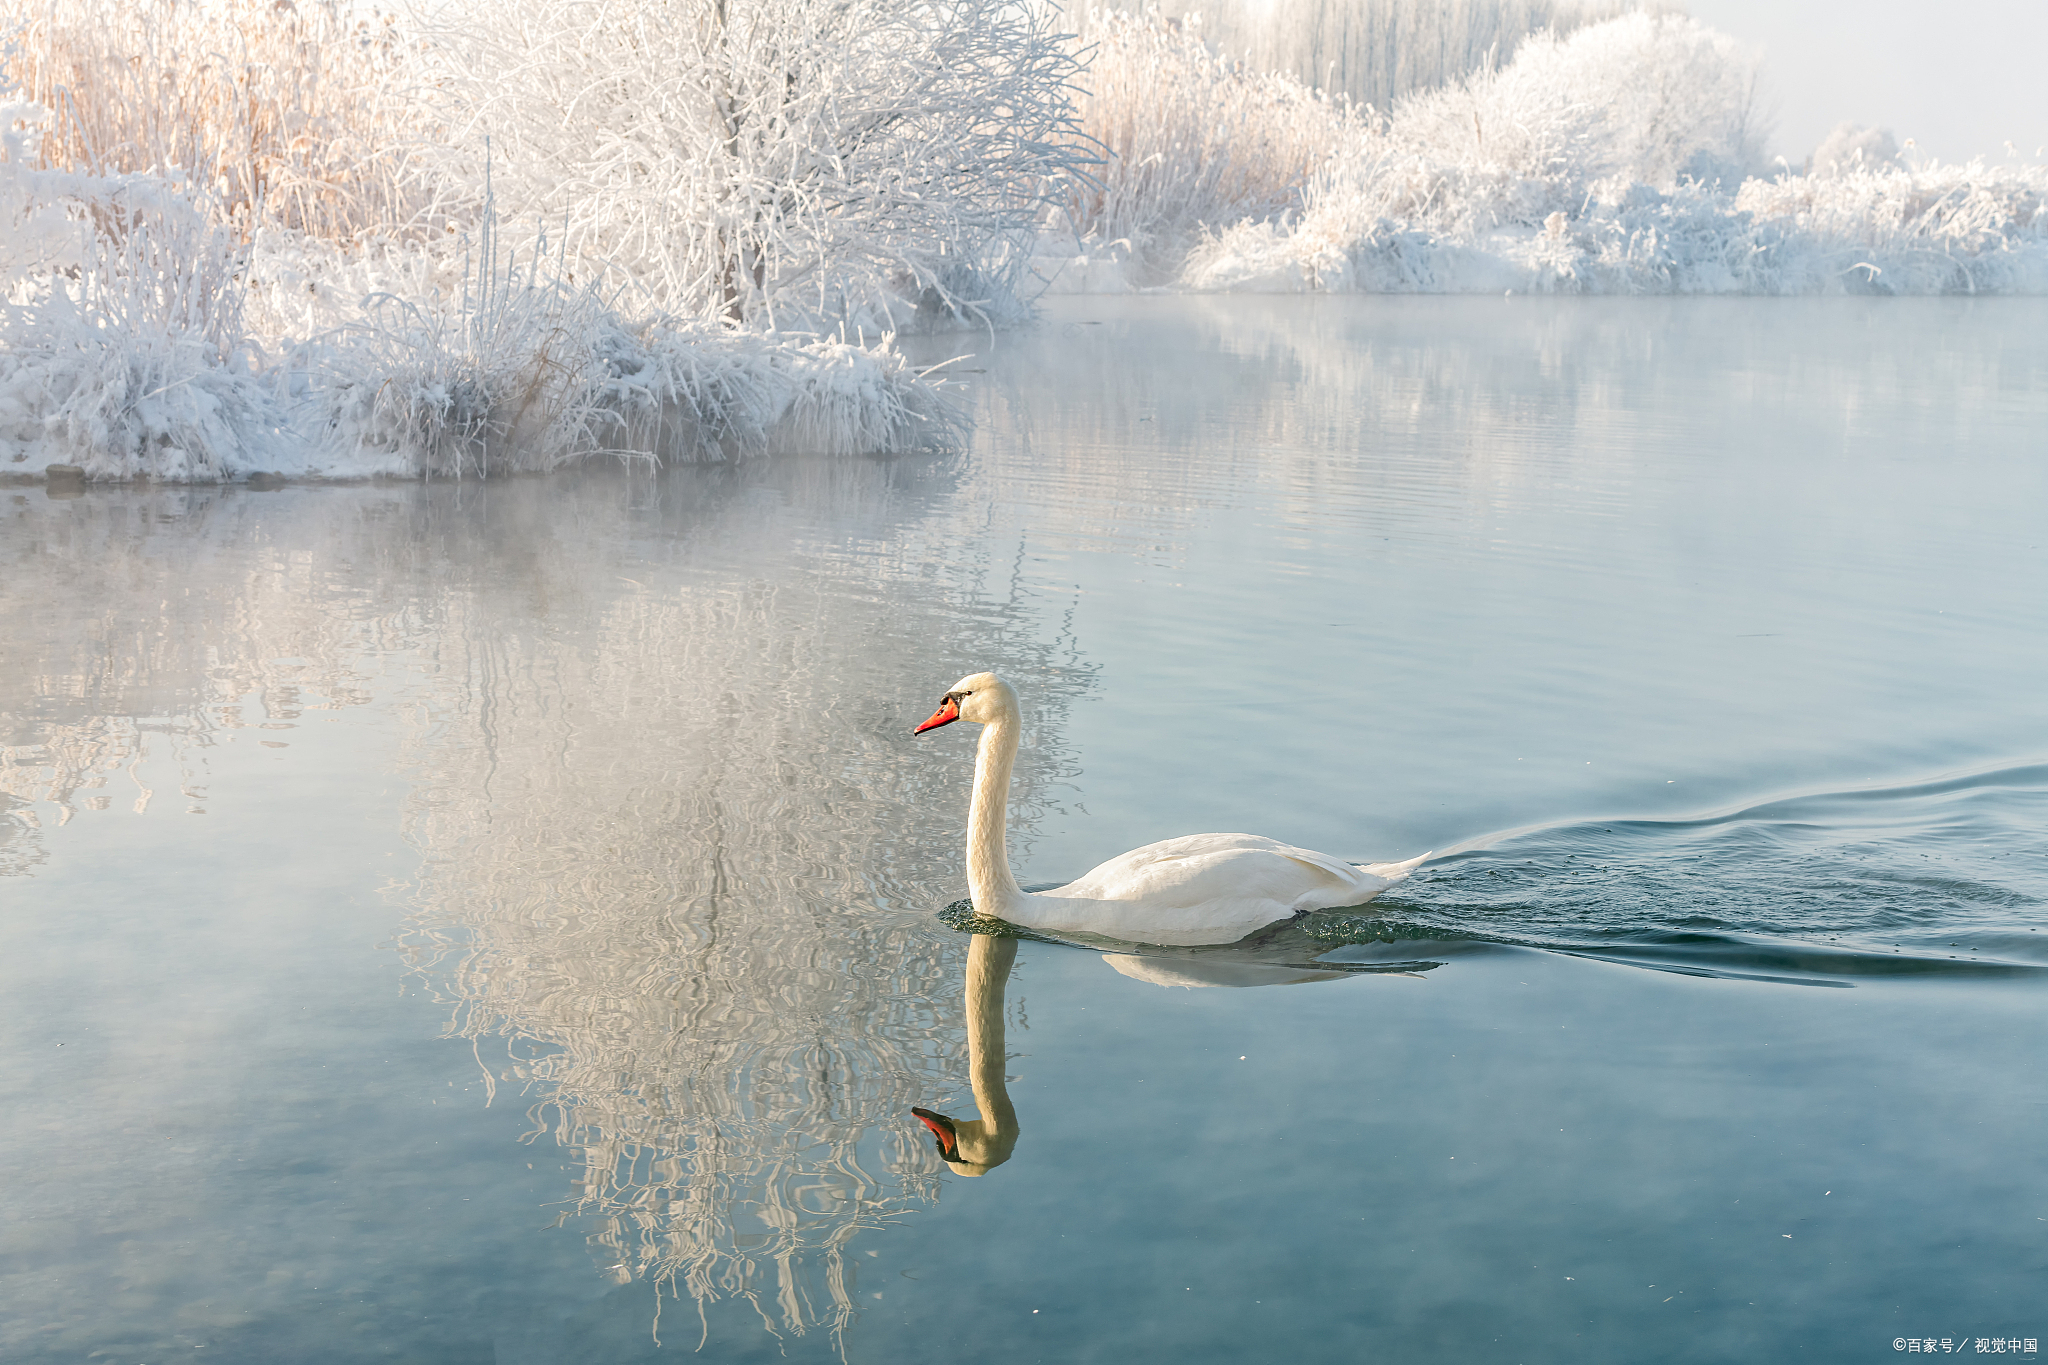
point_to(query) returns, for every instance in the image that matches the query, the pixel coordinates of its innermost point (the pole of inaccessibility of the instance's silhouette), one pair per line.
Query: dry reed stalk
(1192, 139)
(283, 113)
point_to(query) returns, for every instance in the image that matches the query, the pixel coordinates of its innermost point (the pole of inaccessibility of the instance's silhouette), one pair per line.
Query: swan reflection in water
(978, 1146)
(974, 1147)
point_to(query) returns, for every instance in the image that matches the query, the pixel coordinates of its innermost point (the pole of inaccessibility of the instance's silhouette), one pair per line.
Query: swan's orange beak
(942, 1132)
(945, 715)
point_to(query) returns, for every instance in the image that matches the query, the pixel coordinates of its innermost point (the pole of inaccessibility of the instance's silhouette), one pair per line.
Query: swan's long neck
(988, 970)
(989, 881)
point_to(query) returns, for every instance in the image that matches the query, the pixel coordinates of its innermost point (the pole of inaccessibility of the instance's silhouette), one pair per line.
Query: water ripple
(1945, 876)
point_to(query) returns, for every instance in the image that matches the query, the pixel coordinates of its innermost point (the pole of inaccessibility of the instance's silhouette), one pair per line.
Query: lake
(558, 846)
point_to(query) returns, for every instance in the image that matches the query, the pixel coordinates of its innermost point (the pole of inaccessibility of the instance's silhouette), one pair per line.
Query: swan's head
(980, 697)
(969, 1146)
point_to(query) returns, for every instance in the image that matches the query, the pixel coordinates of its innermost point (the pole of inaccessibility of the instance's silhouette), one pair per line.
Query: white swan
(978, 1146)
(1199, 888)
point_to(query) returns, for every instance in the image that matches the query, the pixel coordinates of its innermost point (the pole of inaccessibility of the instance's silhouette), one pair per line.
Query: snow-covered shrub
(1892, 229)
(224, 253)
(1189, 139)
(123, 347)
(1507, 178)
(1649, 97)
(773, 162)
(526, 373)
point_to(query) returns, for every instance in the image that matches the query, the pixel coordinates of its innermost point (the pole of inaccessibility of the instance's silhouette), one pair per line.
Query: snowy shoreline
(177, 326)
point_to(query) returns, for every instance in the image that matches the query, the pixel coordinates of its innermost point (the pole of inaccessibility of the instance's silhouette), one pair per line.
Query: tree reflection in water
(680, 859)
(678, 855)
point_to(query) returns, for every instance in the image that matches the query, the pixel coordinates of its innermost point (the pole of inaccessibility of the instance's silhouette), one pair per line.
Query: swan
(1199, 888)
(977, 1146)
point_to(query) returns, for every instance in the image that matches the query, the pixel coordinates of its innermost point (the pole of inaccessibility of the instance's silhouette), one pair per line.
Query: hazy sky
(1959, 78)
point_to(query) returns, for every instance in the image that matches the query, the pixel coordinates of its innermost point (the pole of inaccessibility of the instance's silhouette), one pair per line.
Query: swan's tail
(1394, 872)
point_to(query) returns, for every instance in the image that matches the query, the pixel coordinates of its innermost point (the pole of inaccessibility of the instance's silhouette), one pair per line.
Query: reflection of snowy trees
(677, 854)
(677, 849)
(148, 626)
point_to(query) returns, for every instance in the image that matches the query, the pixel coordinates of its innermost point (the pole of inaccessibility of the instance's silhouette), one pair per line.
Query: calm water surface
(504, 922)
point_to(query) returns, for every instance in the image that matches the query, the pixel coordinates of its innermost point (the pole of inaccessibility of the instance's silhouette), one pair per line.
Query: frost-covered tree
(1852, 147)
(1374, 51)
(772, 162)
(1653, 98)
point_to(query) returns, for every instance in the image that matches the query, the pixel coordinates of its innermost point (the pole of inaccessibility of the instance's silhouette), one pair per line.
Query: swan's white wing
(1206, 888)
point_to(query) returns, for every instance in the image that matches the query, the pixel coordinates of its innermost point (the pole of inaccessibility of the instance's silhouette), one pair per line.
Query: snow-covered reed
(1625, 159)
(297, 112)
(1189, 139)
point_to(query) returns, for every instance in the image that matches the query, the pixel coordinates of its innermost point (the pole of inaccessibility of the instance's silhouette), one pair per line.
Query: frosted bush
(1645, 98)
(1614, 161)
(125, 349)
(1411, 199)
(151, 405)
(235, 258)
(1933, 229)
(772, 162)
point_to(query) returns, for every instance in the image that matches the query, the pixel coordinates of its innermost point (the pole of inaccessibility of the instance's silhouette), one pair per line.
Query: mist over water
(505, 919)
